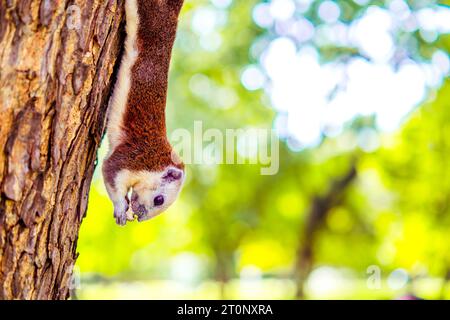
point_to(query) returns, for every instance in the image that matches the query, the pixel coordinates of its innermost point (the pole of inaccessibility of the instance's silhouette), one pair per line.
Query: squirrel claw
(121, 219)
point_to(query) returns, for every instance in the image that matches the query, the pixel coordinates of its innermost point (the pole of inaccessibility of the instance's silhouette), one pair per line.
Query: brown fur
(145, 145)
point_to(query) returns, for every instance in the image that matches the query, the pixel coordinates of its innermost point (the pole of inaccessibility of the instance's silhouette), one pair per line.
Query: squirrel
(140, 157)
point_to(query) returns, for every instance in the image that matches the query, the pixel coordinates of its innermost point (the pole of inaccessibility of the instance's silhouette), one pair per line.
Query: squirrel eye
(158, 201)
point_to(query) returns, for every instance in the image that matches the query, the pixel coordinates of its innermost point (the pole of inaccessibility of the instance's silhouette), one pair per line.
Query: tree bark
(57, 58)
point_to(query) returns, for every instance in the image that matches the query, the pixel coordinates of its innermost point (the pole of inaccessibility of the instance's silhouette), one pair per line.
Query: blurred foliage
(232, 223)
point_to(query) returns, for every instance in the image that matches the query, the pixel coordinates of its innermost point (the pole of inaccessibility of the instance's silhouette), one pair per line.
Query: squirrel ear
(172, 174)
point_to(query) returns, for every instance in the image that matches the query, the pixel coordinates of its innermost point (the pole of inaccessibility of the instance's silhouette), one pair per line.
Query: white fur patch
(122, 88)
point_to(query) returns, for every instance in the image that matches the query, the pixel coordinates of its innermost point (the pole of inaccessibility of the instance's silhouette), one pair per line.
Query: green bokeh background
(236, 234)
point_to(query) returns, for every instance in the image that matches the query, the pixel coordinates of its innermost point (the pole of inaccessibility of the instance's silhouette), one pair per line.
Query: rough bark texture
(56, 62)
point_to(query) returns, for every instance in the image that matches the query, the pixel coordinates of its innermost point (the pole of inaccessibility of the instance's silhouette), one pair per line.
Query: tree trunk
(320, 207)
(56, 62)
